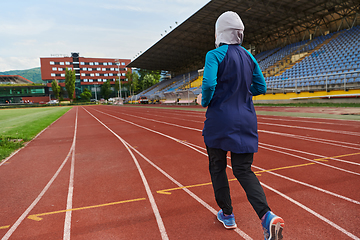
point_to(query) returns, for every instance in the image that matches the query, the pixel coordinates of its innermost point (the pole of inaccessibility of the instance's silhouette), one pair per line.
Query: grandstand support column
(353, 23)
(283, 84)
(326, 83)
(344, 82)
(188, 91)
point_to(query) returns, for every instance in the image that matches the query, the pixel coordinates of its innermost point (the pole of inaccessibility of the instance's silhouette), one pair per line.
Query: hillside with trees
(32, 74)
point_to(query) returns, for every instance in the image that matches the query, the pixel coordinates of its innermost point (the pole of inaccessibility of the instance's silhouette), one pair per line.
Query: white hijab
(229, 29)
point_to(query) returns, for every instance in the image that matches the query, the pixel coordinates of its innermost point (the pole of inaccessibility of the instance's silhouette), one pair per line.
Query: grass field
(18, 126)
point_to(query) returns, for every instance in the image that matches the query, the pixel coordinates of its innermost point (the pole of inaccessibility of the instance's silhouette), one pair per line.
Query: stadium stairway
(194, 83)
(291, 64)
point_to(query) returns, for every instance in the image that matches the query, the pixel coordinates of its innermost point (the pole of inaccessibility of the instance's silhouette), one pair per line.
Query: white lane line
(317, 118)
(8, 158)
(310, 160)
(294, 180)
(199, 130)
(313, 129)
(159, 221)
(281, 194)
(67, 224)
(312, 154)
(313, 139)
(313, 213)
(153, 120)
(33, 204)
(202, 202)
(304, 121)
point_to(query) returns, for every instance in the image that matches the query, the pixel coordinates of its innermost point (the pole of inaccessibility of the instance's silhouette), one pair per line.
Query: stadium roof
(15, 79)
(268, 23)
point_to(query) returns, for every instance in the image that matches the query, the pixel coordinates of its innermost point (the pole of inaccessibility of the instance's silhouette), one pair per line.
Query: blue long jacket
(231, 77)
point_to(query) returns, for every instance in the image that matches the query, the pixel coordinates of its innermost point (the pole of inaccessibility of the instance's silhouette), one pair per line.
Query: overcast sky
(30, 29)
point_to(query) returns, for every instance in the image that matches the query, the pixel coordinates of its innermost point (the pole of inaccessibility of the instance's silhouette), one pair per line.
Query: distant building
(90, 72)
(17, 89)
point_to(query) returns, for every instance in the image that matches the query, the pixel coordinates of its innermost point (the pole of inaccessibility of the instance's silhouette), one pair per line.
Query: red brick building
(90, 72)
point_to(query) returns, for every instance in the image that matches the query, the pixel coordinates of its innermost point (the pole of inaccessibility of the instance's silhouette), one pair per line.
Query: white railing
(312, 82)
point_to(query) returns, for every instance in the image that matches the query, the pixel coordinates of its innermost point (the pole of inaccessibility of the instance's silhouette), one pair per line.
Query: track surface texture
(116, 172)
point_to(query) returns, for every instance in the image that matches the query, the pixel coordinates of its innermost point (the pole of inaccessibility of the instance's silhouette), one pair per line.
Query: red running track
(109, 172)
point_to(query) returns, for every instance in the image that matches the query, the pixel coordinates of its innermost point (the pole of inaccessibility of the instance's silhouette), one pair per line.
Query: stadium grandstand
(17, 89)
(305, 49)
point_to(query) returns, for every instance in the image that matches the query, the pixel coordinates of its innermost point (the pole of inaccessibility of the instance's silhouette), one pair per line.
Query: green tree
(133, 78)
(86, 95)
(149, 80)
(61, 93)
(105, 90)
(70, 82)
(55, 88)
(146, 79)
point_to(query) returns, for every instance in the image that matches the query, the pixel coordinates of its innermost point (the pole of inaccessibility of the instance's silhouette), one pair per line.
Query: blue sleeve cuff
(258, 85)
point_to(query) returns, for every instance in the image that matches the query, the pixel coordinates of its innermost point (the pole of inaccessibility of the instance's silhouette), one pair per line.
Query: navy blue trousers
(241, 165)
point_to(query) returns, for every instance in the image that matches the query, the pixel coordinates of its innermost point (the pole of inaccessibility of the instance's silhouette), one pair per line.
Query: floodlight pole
(95, 90)
(119, 94)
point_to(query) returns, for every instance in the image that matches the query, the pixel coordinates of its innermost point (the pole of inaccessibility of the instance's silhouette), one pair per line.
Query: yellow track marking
(168, 191)
(5, 227)
(37, 218)
(280, 168)
(324, 159)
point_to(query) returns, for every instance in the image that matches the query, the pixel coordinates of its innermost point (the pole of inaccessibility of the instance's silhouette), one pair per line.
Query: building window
(61, 69)
(61, 63)
(104, 80)
(90, 80)
(85, 80)
(83, 74)
(104, 69)
(96, 63)
(91, 74)
(110, 74)
(54, 68)
(99, 80)
(123, 63)
(112, 69)
(91, 63)
(62, 75)
(69, 68)
(104, 63)
(123, 74)
(52, 63)
(84, 69)
(67, 63)
(96, 74)
(53, 75)
(110, 63)
(98, 69)
(89, 69)
(82, 63)
(106, 74)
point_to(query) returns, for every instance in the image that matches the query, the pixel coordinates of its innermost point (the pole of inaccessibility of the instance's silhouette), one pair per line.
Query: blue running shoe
(272, 226)
(228, 221)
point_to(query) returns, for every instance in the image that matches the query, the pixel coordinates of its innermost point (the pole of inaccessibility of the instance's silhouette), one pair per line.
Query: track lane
(181, 213)
(30, 174)
(137, 119)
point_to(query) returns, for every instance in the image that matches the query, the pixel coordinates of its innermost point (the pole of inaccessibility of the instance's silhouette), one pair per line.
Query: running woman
(231, 78)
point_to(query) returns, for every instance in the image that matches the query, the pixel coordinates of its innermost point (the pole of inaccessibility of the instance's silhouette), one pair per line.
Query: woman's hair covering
(229, 29)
